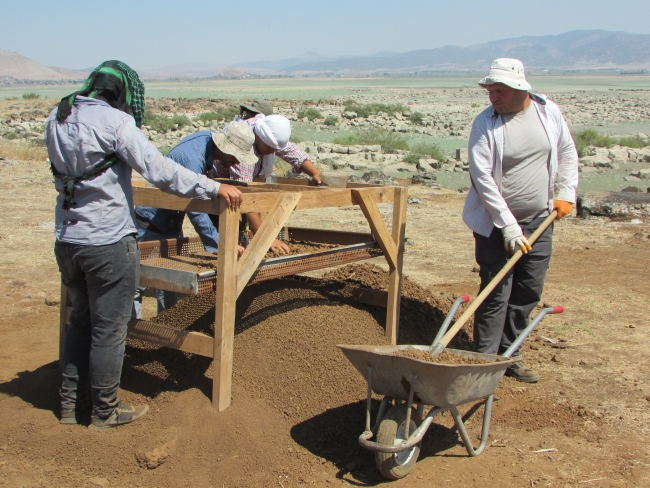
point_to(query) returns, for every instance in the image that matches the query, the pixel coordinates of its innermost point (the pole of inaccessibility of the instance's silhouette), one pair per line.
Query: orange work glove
(563, 208)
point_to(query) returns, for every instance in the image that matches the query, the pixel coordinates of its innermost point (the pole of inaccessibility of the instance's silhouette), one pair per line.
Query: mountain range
(581, 49)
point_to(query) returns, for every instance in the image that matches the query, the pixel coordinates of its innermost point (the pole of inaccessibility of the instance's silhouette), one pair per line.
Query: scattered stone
(614, 204)
(153, 458)
(349, 115)
(374, 178)
(632, 189)
(413, 200)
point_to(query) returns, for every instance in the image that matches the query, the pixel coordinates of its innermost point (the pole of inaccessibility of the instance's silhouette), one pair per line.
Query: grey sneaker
(521, 373)
(76, 414)
(123, 414)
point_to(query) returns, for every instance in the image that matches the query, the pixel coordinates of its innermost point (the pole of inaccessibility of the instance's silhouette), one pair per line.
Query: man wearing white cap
(272, 135)
(523, 165)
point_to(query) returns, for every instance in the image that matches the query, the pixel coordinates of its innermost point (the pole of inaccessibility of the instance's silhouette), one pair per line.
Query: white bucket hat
(507, 71)
(237, 140)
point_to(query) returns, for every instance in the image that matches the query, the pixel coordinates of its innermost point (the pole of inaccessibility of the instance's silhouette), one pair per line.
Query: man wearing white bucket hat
(523, 165)
(272, 135)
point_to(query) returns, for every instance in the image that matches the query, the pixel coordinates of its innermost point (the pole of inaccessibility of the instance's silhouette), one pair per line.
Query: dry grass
(22, 152)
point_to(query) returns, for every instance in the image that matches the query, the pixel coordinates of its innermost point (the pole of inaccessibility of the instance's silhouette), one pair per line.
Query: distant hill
(73, 74)
(19, 67)
(575, 49)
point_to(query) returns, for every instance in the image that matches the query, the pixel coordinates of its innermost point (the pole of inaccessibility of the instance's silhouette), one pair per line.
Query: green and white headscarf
(117, 84)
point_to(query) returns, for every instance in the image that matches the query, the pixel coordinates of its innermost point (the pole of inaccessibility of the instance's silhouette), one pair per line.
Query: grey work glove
(514, 238)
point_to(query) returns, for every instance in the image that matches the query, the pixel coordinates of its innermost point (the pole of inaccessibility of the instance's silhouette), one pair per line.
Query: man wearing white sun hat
(523, 165)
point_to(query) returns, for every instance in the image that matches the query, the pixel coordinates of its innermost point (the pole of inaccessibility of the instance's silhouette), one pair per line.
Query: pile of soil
(285, 354)
(444, 358)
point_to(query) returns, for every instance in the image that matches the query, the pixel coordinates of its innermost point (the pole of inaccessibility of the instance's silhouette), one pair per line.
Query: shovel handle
(446, 339)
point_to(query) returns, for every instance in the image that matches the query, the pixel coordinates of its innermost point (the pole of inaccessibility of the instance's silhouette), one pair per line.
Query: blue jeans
(101, 281)
(166, 299)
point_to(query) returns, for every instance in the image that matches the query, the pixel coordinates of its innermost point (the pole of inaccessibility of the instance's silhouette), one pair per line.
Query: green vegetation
(590, 137)
(10, 134)
(412, 158)
(295, 139)
(331, 120)
(373, 108)
(416, 118)
(162, 123)
(11, 98)
(31, 96)
(423, 149)
(311, 114)
(389, 141)
(222, 113)
(475, 105)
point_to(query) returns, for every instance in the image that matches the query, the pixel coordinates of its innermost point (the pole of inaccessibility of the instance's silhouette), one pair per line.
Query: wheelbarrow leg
(484, 432)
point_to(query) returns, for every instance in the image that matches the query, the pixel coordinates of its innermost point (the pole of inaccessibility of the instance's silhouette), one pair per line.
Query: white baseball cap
(508, 71)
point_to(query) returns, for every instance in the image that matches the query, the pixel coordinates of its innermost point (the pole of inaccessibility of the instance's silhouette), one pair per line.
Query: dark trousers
(101, 282)
(499, 320)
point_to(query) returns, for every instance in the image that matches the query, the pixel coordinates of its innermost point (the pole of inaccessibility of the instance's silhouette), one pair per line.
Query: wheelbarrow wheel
(391, 431)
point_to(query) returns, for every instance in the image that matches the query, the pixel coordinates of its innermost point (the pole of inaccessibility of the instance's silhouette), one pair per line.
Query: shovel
(438, 347)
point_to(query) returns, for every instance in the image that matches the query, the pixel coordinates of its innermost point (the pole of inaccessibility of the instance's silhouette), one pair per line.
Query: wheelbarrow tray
(438, 384)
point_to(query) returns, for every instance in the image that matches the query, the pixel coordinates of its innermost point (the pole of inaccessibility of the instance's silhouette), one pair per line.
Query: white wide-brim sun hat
(508, 71)
(237, 139)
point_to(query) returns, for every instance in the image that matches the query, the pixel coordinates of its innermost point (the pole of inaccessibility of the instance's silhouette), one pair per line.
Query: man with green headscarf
(94, 143)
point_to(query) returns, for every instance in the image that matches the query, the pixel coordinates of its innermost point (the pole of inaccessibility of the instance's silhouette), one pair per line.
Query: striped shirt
(243, 172)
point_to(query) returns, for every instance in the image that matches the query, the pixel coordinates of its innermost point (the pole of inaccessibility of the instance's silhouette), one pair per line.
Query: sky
(157, 34)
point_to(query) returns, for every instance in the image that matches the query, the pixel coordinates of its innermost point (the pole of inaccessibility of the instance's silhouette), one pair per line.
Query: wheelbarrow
(407, 381)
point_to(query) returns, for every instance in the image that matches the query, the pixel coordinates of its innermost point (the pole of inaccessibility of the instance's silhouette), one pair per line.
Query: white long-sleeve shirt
(103, 206)
(485, 206)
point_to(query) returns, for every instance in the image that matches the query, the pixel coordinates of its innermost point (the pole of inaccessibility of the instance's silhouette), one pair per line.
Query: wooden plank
(395, 273)
(261, 200)
(264, 237)
(183, 340)
(153, 197)
(224, 325)
(64, 319)
(325, 236)
(377, 225)
(376, 298)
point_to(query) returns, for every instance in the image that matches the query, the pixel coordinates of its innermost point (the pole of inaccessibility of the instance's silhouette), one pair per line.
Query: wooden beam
(224, 325)
(183, 340)
(261, 200)
(395, 272)
(153, 197)
(327, 236)
(264, 237)
(377, 225)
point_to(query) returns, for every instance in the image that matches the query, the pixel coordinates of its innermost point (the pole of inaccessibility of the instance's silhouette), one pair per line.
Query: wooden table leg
(395, 273)
(224, 325)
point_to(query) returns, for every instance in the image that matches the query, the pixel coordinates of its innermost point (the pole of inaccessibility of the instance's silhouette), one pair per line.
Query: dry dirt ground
(297, 403)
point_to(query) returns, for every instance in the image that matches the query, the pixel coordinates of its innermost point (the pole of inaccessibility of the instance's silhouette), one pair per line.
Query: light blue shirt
(194, 152)
(102, 210)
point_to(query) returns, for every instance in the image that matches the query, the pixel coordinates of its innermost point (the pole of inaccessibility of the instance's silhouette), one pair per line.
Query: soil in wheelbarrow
(444, 358)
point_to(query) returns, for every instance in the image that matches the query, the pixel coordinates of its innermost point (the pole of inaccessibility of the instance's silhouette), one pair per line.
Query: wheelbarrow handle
(522, 337)
(450, 316)
(488, 289)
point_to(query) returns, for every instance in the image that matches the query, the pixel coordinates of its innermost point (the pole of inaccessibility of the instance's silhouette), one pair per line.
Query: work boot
(521, 373)
(75, 414)
(123, 414)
